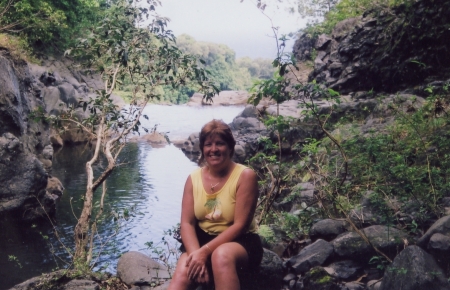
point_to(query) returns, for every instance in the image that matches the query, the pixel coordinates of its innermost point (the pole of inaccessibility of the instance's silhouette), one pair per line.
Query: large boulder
(441, 226)
(224, 98)
(270, 274)
(313, 255)
(351, 245)
(328, 229)
(135, 268)
(414, 269)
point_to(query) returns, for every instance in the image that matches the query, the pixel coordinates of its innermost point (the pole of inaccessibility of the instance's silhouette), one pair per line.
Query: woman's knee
(180, 275)
(228, 255)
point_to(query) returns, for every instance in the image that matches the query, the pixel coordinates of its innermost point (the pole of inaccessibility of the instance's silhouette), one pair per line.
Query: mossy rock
(318, 279)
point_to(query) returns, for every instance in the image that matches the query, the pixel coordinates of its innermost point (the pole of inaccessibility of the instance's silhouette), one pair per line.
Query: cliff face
(26, 147)
(23, 177)
(384, 50)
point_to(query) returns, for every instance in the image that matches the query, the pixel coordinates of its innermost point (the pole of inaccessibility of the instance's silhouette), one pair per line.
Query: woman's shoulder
(196, 172)
(245, 171)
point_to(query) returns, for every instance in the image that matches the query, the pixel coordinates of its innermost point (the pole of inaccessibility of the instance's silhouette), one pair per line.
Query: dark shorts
(250, 241)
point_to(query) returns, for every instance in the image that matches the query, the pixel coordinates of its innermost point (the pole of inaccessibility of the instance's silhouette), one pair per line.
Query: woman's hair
(216, 128)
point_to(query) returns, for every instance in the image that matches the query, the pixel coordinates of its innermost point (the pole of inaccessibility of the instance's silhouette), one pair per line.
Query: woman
(217, 227)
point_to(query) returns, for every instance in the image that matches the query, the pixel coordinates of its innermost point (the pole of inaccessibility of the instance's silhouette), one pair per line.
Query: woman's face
(216, 151)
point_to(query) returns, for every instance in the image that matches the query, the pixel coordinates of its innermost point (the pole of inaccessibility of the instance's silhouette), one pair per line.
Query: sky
(239, 25)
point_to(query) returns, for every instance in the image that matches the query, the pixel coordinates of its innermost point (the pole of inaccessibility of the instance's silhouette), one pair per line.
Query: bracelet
(206, 245)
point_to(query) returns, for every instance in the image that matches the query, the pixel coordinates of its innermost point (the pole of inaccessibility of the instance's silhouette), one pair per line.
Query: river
(146, 189)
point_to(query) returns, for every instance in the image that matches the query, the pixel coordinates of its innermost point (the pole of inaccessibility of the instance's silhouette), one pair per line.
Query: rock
(23, 180)
(249, 112)
(344, 270)
(164, 286)
(224, 98)
(81, 285)
(313, 255)
(22, 142)
(344, 27)
(135, 268)
(373, 284)
(352, 286)
(328, 229)
(322, 41)
(156, 139)
(369, 61)
(54, 186)
(414, 269)
(441, 226)
(303, 47)
(365, 213)
(350, 245)
(47, 153)
(318, 279)
(56, 140)
(440, 243)
(270, 275)
(302, 192)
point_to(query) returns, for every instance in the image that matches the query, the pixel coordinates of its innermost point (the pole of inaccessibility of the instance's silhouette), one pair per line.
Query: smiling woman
(218, 230)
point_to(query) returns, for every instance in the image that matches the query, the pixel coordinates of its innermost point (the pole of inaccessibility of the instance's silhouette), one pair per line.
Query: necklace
(213, 186)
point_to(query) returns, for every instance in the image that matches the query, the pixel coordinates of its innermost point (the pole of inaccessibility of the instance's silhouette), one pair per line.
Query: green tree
(119, 47)
(49, 22)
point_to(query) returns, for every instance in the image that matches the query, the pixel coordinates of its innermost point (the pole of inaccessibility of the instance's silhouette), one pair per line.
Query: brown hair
(216, 128)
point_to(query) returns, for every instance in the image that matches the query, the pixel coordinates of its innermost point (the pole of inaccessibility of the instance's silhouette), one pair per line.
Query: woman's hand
(196, 262)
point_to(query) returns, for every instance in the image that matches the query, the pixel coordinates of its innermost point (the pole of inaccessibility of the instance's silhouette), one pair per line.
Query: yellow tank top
(215, 212)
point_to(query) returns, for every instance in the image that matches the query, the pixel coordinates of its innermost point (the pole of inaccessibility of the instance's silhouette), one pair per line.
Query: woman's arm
(188, 220)
(197, 256)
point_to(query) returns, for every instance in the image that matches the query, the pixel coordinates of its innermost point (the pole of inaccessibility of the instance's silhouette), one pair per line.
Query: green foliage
(15, 260)
(380, 262)
(266, 233)
(346, 9)
(50, 22)
(221, 62)
(409, 163)
(166, 251)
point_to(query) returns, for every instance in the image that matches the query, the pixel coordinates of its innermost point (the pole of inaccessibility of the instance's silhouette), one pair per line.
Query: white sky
(241, 26)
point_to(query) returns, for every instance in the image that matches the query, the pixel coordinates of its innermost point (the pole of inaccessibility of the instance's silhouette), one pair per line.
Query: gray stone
(344, 270)
(164, 286)
(352, 286)
(322, 41)
(270, 275)
(439, 242)
(414, 269)
(441, 226)
(328, 229)
(344, 27)
(351, 245)
(313, 255)
(135, 268)
(81, 285)
(373, 284)
(249, 112)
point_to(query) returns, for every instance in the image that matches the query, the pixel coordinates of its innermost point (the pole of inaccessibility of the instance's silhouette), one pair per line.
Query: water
(148, 186)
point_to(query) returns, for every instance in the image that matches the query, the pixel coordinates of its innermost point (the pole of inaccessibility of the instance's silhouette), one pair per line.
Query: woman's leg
(226, 260)
(180, 280)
